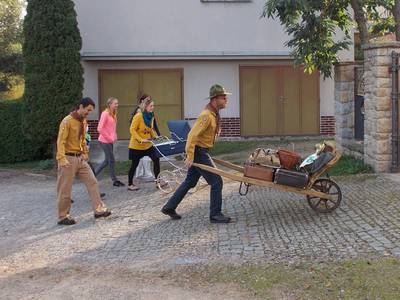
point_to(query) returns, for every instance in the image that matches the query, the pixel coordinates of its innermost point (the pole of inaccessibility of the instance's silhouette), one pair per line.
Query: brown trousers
(65, 179)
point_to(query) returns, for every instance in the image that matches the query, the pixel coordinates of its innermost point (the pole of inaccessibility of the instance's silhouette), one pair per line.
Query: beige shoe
(133, 187)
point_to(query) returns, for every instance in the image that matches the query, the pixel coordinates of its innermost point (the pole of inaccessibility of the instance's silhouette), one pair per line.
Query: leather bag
(288, 159)
(259, 172)
(265, 157)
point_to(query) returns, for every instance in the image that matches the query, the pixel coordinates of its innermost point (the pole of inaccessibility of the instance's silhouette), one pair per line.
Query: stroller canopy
(179, 129)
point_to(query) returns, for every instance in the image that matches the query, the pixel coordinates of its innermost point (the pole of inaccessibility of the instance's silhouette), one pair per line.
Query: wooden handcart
(323, 194)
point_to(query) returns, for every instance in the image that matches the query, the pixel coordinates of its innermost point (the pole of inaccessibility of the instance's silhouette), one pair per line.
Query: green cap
(217, 90)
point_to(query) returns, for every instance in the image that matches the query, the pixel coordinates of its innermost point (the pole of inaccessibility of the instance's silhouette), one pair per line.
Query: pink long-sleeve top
(107, 128)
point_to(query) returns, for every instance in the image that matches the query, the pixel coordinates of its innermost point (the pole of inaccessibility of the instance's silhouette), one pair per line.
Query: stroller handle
(175, 135)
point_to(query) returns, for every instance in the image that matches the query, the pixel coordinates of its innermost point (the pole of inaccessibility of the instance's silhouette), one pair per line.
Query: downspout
(395, 113)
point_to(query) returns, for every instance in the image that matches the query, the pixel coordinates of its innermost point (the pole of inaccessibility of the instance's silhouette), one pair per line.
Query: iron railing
(394, 71)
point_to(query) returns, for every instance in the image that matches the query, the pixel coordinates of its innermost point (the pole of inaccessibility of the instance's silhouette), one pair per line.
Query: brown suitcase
(258, 172)
(288, 159)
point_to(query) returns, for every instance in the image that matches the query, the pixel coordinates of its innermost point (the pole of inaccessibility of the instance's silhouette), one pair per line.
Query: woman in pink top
(107, 129)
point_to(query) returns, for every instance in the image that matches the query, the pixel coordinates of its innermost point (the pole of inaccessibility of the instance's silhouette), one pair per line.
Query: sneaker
(118, 183)
(103, 214)
(171, 212)
(66, 221)
(220, 219)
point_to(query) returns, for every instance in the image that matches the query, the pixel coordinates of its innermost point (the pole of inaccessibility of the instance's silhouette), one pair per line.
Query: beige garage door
(278, 100)
(165, 86)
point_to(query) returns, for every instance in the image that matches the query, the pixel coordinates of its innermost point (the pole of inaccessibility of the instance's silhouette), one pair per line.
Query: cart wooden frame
(323, 194)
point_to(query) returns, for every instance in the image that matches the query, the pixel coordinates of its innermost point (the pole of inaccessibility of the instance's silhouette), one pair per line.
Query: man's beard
(221, 106)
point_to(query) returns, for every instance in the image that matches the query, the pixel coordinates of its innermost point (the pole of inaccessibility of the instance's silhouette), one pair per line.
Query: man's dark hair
(86, 102)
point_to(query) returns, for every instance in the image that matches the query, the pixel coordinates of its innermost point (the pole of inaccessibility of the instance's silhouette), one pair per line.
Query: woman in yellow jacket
(142, 130)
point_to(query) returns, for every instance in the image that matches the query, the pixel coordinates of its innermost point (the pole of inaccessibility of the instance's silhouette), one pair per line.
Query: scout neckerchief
(81, 119)
(218, 118)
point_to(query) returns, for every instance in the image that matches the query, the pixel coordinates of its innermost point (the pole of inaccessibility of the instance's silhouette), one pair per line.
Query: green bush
(53, 70)
(14, 146)
(350, 165)
(44, 165)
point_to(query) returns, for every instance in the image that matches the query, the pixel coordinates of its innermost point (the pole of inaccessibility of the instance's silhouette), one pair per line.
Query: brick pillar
(378, 108)
(93, 129)
(344, 104)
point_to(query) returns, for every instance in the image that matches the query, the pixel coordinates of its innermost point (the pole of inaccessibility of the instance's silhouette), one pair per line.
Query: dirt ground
(77, 282)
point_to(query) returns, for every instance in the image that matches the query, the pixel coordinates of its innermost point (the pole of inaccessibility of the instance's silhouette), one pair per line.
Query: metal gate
(359, 103)
(394, 70)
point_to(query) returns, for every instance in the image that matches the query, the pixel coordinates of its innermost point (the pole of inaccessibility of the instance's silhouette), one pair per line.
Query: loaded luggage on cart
(283, 169)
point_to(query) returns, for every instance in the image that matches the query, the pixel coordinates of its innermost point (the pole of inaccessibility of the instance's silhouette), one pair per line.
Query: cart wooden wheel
(167, 181)
(329, 187)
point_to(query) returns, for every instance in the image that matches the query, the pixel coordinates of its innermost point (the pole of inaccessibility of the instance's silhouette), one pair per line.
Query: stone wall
(344, 105)
(378, 108)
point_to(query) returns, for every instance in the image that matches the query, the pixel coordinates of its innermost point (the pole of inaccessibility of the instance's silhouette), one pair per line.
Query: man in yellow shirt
(72, 156)
(200, 139)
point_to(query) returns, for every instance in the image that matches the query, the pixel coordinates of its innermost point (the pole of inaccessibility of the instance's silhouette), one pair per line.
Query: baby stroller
(168, 180)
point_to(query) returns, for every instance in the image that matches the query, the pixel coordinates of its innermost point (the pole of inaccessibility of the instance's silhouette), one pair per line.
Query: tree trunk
(361, 20)
(396, 15)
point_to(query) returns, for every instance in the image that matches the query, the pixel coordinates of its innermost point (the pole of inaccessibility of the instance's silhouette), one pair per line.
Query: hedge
(14, 147)
(53, 70)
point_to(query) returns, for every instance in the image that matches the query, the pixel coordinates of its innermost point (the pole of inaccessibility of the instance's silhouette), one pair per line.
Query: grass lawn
(227, 147)
(349, 165)
(355, 279)
(37, 166)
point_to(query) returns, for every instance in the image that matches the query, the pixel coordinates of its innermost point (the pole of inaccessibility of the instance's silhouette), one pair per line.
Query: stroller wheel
(167, 181)
(180, 175)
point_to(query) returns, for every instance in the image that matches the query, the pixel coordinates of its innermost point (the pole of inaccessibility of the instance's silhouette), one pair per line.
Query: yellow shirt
(69, 141)
(202, 133)
(139, 132)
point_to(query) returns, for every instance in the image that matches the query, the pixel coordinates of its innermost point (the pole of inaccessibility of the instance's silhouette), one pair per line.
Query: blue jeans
(215, 181)
(108, 160)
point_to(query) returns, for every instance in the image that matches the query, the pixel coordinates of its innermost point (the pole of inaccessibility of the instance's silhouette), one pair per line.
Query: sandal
(133, 188)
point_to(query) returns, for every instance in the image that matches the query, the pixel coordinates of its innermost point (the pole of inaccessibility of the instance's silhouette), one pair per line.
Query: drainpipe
(395, 113)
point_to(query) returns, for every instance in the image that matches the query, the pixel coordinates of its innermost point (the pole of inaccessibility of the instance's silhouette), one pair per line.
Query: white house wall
(176, 26)
(198, 77)
(179, 26)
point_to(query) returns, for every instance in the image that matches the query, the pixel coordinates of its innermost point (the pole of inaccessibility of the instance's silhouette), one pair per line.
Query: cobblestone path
(269, 225)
